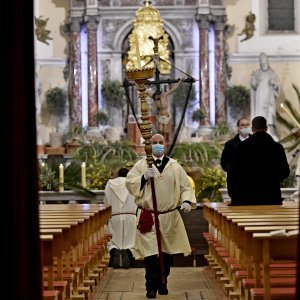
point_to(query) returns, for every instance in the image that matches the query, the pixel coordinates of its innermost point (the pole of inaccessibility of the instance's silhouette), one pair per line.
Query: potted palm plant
(113, 93)
(238, 99)
(102, 119)
(56, 103)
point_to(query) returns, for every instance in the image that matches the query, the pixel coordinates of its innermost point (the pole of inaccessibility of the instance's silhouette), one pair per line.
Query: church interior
(99, 75)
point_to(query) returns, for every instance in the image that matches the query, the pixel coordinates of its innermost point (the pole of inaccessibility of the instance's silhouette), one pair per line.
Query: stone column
(75, 73)
(92, 24)
(220, 69)
(203, 23)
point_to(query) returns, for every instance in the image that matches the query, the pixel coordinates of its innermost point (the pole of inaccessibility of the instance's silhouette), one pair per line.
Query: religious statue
(162, 105)
(42, 34)
(265, 88)
(249, 27)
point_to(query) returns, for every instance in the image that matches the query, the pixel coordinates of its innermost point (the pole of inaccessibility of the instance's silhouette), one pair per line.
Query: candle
(289, 114)
(137, 51)
(61, 177)
(83, 174)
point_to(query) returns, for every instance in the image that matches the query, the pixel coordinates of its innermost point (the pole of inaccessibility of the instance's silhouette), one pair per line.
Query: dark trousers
(152, 268)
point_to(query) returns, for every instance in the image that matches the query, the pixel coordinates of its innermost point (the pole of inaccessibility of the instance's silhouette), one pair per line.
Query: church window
(281, 16)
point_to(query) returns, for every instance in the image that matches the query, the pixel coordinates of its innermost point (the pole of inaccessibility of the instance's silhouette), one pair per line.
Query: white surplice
(122, 225)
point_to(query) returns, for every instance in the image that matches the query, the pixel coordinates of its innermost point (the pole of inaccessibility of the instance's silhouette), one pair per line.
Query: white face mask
(245, 131)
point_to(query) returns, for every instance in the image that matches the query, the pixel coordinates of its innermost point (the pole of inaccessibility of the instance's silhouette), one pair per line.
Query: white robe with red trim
(172, 187)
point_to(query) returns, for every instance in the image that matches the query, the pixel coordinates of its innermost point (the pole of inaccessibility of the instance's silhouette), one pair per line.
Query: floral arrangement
(47, 178)
(209, 184)
(97, 175)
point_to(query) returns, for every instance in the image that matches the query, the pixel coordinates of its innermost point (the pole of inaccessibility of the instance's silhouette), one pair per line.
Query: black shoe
(111, 256)
(163, 290)
(131, 258)
(116, 259)
(151, 294)
(125, 259)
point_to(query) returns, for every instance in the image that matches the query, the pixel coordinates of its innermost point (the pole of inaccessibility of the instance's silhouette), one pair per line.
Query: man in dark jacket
(259, 167)
(229, 152)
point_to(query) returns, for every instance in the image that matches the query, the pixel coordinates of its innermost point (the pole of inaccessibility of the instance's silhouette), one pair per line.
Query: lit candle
(83, 174)
(289, 114)
(137, 49)
(61, 177)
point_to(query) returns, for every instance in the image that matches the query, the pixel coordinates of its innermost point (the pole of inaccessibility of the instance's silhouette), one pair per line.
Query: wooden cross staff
(140, 76)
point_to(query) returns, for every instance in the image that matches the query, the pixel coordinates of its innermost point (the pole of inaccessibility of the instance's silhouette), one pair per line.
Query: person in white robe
(122, 224)
(265, 88)
(173, 192)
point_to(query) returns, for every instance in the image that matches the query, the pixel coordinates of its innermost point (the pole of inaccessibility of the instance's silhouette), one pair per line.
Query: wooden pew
(227, 225)
(82, 228)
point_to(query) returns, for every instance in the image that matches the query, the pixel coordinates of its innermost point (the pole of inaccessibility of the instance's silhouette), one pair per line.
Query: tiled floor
(184, 283)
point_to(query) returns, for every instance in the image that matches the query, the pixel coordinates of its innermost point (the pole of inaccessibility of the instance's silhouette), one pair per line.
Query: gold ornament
(140, 77)
(148, 23)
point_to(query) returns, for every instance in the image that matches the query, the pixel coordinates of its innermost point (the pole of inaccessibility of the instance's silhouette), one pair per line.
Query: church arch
(121, 35)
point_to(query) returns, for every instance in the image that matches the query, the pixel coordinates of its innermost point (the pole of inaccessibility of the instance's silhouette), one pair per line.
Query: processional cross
(160, 97)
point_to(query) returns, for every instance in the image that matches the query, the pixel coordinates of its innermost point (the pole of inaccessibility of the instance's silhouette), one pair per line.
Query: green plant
(209, 184)
(49, 177)
(75, 133)
(198, 115)
(238, 99)
(101, 117)
(222, 130)
(113, 93)
(103, 160)
(204, 154)
(106, 152)
(56, 100)
(97, 175)
(294, 137)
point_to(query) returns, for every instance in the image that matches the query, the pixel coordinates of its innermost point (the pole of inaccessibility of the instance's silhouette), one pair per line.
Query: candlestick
(137, 49)
(61, 178)
(83, 174)
(290, 115)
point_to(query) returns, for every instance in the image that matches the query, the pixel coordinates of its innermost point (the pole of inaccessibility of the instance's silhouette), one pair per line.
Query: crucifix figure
(161, 101)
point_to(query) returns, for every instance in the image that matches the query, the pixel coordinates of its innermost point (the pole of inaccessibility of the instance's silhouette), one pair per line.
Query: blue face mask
(158, 149)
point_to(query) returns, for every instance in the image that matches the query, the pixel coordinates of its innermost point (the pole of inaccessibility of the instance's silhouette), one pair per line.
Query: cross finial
(147, 2)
